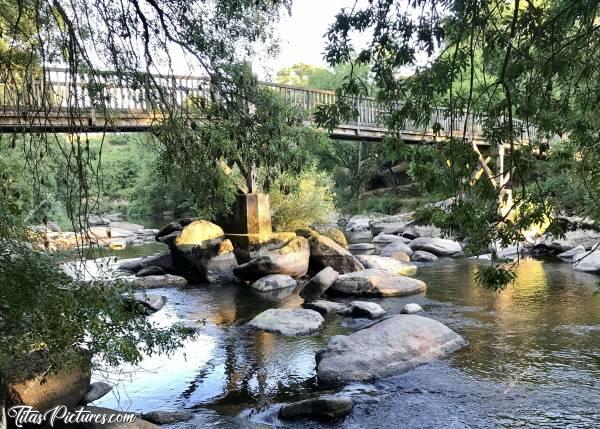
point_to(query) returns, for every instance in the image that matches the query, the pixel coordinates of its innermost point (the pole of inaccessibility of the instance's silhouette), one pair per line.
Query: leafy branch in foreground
(511, 65)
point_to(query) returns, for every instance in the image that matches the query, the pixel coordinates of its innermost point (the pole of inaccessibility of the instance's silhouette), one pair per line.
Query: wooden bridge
(54, 103)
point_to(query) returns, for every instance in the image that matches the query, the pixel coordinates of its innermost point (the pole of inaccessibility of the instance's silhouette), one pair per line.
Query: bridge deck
(58, 105)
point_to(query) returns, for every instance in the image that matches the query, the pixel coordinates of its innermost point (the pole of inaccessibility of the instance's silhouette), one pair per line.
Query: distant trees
(312, 76)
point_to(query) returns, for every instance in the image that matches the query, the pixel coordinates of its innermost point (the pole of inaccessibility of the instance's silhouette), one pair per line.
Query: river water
(533, 358)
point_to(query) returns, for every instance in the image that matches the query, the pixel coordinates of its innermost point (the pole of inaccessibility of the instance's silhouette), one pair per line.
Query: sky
(301, 35)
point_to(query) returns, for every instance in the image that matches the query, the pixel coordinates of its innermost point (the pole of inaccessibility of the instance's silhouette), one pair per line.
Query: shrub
(300, 200)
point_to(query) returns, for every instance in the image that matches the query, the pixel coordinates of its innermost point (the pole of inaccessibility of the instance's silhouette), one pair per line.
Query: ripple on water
(533, 357)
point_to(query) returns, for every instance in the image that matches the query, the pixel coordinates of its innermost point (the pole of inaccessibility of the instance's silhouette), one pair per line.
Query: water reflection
(531, 345)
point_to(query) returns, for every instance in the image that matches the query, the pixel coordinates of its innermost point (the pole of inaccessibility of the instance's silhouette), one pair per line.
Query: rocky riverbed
(306, 314)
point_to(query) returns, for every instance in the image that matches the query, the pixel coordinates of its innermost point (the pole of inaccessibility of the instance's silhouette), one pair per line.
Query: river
(533, 357)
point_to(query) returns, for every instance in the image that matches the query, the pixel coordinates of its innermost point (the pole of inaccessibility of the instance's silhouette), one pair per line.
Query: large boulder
(324, 252)
(287, 321)
(392, 346)
(374, 282)
(587, 261)
(50, 390)
(581, 237)
(437, 246)
(273, 282)
(194, 246)
(292, 259)
(388, 264)
(394, 247)
(325, 407)
(317, 285)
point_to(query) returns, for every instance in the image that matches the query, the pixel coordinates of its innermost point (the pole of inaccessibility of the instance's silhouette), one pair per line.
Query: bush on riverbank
(298, 201)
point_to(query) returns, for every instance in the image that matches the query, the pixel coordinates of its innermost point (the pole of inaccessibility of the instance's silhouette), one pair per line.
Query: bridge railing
(57, 89)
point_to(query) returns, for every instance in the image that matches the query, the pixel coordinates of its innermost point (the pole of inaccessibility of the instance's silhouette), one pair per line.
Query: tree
(511, 65)
(311, 76)
(251, 130)
(46, 317)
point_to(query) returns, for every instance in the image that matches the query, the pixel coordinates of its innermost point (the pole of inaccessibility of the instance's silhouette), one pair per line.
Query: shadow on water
(533, 357)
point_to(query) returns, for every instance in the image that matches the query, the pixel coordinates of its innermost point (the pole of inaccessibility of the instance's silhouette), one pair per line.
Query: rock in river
(325, 407)
(273, 282)
(153, 282)
(394, 247)
(411, 308)
(386, 348)
(161, 417)
(317, 285)
(587, 261)
(219, 268)
(292, 259)
(362, 248)
(374, 282)
(437, 246)
(325, 307)
(371, 310)
(152, 270)
(296, 321)
(569, 255)
(423, 256)
(388, 264)
(383, 240)
(152, 303)
(96, 391)
(324, 252)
